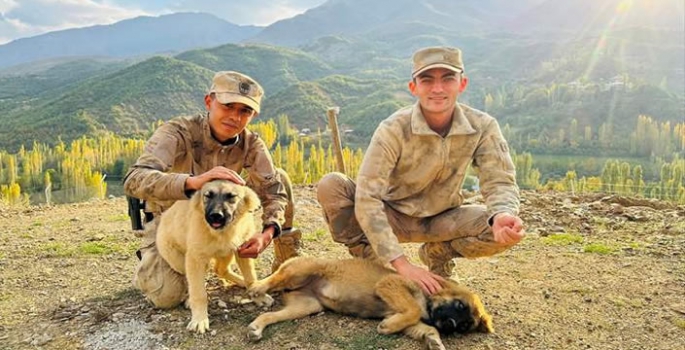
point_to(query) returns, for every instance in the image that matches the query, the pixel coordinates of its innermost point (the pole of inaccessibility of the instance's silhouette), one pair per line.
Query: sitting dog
(211, 225)
(367, 289)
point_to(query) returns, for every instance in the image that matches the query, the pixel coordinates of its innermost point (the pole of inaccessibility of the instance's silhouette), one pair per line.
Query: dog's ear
(251, 199)
(485, 324)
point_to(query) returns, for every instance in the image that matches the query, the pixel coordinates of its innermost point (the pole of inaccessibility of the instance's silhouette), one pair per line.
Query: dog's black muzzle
(216, 216)
(451, 318)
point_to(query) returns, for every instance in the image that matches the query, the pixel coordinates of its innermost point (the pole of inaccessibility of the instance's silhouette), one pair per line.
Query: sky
(25, 18)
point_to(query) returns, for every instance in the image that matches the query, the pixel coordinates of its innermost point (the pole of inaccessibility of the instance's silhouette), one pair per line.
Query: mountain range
(355, 54)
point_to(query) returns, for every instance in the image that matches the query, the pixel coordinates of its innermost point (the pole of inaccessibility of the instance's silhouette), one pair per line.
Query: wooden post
(337, 146)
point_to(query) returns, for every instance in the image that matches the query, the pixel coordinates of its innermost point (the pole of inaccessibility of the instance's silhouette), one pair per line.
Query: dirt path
(592, 274)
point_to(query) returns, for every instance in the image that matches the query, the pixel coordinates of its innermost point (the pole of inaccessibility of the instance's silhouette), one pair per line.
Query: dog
(368, 289)
(210, 226)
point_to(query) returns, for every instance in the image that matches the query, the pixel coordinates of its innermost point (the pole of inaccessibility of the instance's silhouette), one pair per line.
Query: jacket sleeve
(265, 180)
(372, 185)
(148, 178)
(496, 172)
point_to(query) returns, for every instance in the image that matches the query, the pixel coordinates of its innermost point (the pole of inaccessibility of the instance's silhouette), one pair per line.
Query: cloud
(32, 17)
(257, 12)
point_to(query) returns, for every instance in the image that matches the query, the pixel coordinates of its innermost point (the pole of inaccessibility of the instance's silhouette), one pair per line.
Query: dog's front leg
(429, 335)
(197, 294)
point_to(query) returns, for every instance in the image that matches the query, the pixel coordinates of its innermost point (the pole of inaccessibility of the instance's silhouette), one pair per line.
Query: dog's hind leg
(429, 335)
(222, 269)
(398, 293)
(298, 304)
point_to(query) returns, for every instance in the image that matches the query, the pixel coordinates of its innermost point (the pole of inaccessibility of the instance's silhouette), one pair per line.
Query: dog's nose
(216, 217)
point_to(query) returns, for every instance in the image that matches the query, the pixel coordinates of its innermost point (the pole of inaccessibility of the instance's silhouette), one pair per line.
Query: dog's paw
(254, 332)
(433, 343)
(198, 326)
(256, 289)
(384, 328)
(263, 300)
(186, 303)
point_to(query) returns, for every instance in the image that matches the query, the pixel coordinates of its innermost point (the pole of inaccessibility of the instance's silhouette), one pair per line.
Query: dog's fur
(367, 289)
(211, 225)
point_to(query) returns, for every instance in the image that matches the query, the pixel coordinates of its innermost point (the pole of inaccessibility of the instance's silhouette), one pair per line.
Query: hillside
(126, 102)
(358, 57)
(593, 272)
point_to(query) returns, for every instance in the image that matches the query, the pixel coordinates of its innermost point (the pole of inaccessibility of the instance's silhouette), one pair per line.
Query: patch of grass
(95, 248)
(599, 248)
(635, 245)
(287, 327)
(626, 302)
(368, 340)
(316, 236)
(58, 249)
(679, 322)
(562, 239)
(37, 224)
(117, 218)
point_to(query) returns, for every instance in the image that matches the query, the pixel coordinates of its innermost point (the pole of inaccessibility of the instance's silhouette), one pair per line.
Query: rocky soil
(594, 272)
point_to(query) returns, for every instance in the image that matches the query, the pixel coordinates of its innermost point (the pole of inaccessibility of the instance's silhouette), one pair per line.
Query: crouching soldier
(184, 154)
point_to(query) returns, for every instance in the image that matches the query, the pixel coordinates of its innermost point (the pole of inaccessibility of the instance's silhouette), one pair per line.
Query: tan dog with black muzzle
(367, 289)
(211, 225)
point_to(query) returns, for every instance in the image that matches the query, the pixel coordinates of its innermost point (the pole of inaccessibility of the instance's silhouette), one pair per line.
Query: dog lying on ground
(211, 225)
(369, 290)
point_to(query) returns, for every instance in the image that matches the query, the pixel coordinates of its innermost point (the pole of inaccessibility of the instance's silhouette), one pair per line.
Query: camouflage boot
(286, 246)
(439, 257)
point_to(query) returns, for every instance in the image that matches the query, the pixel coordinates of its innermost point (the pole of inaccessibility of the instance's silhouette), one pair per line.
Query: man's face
(437, 90)
(227, 120)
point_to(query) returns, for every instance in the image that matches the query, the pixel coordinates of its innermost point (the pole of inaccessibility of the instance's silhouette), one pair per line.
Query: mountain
(126, 102)
(361, 17)
(138, 36)
(273, 67)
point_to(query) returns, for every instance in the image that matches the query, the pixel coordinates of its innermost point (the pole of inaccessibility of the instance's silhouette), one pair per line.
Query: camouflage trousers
(456, 232)
(166, 288)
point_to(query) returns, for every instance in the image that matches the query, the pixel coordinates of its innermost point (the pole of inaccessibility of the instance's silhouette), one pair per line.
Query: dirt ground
(593, 273)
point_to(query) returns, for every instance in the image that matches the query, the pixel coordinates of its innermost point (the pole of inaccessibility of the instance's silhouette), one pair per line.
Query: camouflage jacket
(184, 147)
(415, 171)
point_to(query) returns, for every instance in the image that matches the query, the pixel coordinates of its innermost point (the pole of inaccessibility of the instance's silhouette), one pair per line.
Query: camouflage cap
(437, 57)
(234, 87)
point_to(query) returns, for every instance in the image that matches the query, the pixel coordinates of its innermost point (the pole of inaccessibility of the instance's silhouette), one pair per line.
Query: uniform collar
(460, 124)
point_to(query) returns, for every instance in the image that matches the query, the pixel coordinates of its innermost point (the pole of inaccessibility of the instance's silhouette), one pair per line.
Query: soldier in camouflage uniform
(408, 187)
(185, 153)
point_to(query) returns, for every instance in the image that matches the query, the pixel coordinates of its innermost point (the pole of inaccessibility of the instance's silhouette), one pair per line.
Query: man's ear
(412, 87)
(208, 101)
(463, 83)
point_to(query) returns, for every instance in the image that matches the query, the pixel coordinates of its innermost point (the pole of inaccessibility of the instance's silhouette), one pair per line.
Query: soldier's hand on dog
(256, 244)
(507, 228)
(216, 173)
(429, 282)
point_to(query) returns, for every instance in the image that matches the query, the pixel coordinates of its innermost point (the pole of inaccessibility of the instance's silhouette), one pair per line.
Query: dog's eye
(209, 194)
(231, 197)
(459, 305)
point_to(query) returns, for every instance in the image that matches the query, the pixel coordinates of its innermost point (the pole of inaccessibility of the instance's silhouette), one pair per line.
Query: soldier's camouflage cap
(234, 87)
(437, 57)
